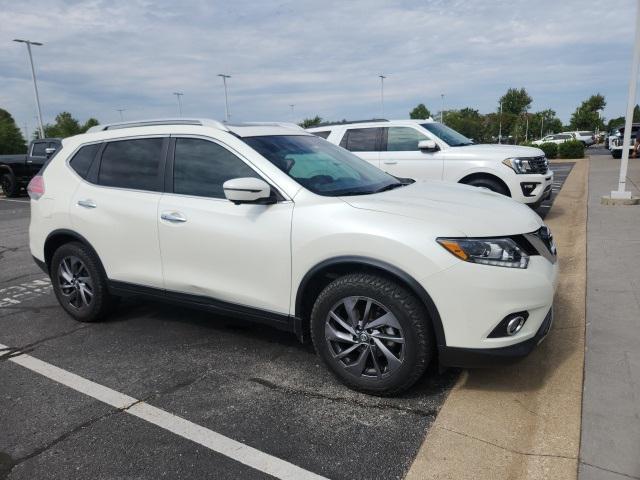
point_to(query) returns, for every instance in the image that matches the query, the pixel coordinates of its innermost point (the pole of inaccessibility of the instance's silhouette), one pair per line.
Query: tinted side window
(361, 139)
(201, 167)
(38, 149)
(132, 164)
(324, 134)
(403, 139)
(82, 160)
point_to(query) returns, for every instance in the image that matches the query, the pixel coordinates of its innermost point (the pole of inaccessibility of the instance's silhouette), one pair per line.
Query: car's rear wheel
(616, 153)
(373, 333)
(79, 284)
(489, 183)
(9, 185)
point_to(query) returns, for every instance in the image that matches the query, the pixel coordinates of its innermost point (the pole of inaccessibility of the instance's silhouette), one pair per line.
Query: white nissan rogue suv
(428, 150)
(269, 223)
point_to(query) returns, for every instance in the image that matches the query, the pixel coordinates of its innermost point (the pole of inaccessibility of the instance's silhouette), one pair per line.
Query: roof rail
(203, 122)
(347, 122)
(266, 124)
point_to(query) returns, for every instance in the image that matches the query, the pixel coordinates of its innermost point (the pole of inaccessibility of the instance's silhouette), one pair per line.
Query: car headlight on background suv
(499, 252)
(519, 165)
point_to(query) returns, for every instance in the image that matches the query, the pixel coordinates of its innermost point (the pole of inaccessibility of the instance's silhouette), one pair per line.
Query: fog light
(515, 325)
(510, 325)
(528, 188)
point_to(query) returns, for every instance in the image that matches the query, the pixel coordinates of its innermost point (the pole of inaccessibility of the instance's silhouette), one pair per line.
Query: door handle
(173, 217)
(87, 203)
(389, 162)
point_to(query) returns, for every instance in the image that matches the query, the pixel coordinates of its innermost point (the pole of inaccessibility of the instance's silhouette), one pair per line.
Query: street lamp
(292, 114)
(35, 85)
(227, 115)
(442, 109)
(382, 77)
(120, 110)
(500, 127)
(526, 132)
(179, 97)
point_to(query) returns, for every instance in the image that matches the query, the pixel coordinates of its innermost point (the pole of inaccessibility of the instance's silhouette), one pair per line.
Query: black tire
(9, 184)
(490, 183)
(411, 315)
(617, 154)
(100, 302)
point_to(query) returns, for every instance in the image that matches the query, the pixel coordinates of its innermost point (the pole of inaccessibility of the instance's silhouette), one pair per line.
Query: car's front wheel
(491, 184)
(79, 284)
(373, 333)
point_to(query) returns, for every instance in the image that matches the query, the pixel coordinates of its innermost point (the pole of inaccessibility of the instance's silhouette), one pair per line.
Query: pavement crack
(10, 352)
(62, 438)
(507, 449)
(610, 471)
(431, 413)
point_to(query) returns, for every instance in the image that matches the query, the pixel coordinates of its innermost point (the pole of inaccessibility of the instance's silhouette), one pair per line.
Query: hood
(495, 151)
(454, 208)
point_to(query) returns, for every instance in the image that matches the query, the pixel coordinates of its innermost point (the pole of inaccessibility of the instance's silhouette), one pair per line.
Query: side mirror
(248, 190)
(428, 145)
(49, 151)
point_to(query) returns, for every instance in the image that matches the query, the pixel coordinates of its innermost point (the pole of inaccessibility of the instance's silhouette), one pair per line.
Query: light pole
(179, 97)
(526, 132)
(292, 114)
(442, 109)
(382, 77)
(35, 85)
(500, 127)
(622, 192)
(120, 110)
(541, 126)
(227, 115)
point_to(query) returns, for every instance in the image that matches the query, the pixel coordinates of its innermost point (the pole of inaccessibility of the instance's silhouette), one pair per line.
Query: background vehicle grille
(538, 164)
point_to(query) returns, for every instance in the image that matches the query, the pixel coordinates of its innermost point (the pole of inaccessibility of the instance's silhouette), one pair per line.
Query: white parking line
(203, 436)
(11, 296)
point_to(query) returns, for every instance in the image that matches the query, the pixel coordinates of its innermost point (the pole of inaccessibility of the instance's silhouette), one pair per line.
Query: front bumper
(492, 357)
(532, 188)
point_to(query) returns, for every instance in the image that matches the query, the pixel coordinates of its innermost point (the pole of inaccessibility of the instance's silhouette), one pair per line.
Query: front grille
(538, 164)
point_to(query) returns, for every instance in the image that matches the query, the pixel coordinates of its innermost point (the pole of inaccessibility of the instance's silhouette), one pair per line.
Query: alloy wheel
(365, 337)
(75, 282)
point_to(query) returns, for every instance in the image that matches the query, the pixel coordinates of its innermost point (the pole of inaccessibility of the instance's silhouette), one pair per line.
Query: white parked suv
(556, 138)
(428, 150)
(269, 223)
(586, 137)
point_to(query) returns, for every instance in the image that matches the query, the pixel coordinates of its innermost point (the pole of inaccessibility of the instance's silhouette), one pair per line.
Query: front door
(240, 254)
(401, 157)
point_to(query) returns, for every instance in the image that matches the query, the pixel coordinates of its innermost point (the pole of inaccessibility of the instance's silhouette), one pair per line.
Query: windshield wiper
(391, 186)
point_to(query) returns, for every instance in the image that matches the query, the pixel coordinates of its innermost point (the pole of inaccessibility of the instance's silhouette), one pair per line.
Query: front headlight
(518, 165)
(500, 252)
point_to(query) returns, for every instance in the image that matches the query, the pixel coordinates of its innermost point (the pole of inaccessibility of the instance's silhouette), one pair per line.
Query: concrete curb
(524, 421)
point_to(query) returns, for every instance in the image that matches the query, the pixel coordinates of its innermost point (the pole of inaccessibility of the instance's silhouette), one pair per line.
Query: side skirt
(277, 320)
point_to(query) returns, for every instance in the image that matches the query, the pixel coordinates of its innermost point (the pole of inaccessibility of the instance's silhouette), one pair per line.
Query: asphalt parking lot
(249, 383)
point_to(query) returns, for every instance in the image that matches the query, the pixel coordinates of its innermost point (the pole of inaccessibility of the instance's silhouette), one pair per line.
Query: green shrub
(550, 150)
(571, 149)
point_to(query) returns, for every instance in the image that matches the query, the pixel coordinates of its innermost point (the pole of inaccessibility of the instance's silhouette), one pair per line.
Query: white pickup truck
(424, 149)
(615, 142)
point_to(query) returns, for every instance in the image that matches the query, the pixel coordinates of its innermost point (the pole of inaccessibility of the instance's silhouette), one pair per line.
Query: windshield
(448, 135)
(322, 167)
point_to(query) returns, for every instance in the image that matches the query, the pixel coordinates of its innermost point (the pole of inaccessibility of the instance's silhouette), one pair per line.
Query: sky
(323, 57)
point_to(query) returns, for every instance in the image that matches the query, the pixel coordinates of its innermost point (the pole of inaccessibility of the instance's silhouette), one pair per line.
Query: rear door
(116, 207)
(364, 142)
(402, 158)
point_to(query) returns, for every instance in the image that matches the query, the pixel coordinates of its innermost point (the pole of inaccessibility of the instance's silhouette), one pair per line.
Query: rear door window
(361, 139)
(133, 164)
(323, 134)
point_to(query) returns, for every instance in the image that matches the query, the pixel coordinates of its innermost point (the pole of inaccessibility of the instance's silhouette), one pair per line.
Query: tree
(515, 101)
(11, 139)
(311, 122)
(468, 122)
(619, 121)
(586, 116)
(543, 123)
(420, 112)
(67, 126)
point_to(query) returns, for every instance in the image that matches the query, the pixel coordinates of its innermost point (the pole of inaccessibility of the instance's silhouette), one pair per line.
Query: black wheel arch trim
(390, 269)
